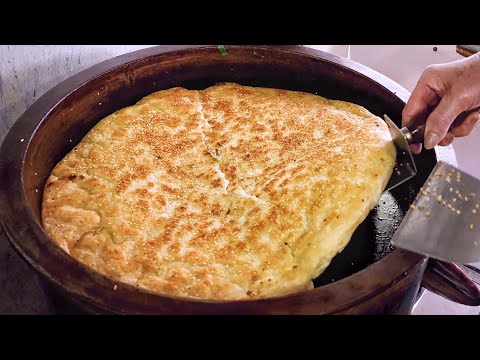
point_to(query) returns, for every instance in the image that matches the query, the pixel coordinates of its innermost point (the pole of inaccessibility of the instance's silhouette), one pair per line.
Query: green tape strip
(222, 50)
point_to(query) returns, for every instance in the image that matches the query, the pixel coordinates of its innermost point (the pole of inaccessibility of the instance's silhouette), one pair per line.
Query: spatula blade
(405, 167)
(444, 220)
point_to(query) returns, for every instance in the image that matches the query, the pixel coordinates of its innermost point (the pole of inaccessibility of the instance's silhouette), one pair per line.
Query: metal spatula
(444, 220)
(405, 167)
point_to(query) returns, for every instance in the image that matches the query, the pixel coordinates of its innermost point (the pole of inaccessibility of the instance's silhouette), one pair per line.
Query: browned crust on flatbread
(232, 192)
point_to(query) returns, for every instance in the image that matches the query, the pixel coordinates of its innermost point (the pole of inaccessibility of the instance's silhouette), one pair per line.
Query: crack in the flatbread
(217, 155)
(222, 159)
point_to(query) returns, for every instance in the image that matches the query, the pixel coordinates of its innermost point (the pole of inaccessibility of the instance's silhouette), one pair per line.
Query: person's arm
(447, 96)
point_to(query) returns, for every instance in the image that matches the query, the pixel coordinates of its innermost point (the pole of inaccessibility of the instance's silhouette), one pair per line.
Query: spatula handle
(417, 135)
(417, 131)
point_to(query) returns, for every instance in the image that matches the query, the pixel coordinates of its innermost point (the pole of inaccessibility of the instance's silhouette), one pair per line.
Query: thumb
(440, 120)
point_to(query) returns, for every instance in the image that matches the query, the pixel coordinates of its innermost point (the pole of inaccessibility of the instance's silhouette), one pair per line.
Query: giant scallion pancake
(232, 192)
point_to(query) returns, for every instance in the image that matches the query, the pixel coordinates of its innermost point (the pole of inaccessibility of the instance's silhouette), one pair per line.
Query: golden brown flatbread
(231, 192)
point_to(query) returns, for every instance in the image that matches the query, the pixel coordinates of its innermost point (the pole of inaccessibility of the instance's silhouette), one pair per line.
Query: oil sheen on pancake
(232, 192)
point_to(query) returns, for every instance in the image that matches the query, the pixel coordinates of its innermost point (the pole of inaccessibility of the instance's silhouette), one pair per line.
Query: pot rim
(45, 256)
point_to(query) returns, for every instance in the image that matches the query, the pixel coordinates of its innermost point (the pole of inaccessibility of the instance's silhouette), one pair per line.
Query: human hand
(447, 97)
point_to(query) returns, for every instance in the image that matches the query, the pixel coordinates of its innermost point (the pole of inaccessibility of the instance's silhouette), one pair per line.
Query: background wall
(27, 72)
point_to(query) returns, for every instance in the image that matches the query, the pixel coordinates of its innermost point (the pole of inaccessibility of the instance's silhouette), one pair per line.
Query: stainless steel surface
(472, 272)
(468, 50)
(405, 167)
(400, 137)
(444, 220)
(407, 134)
(420, 295)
